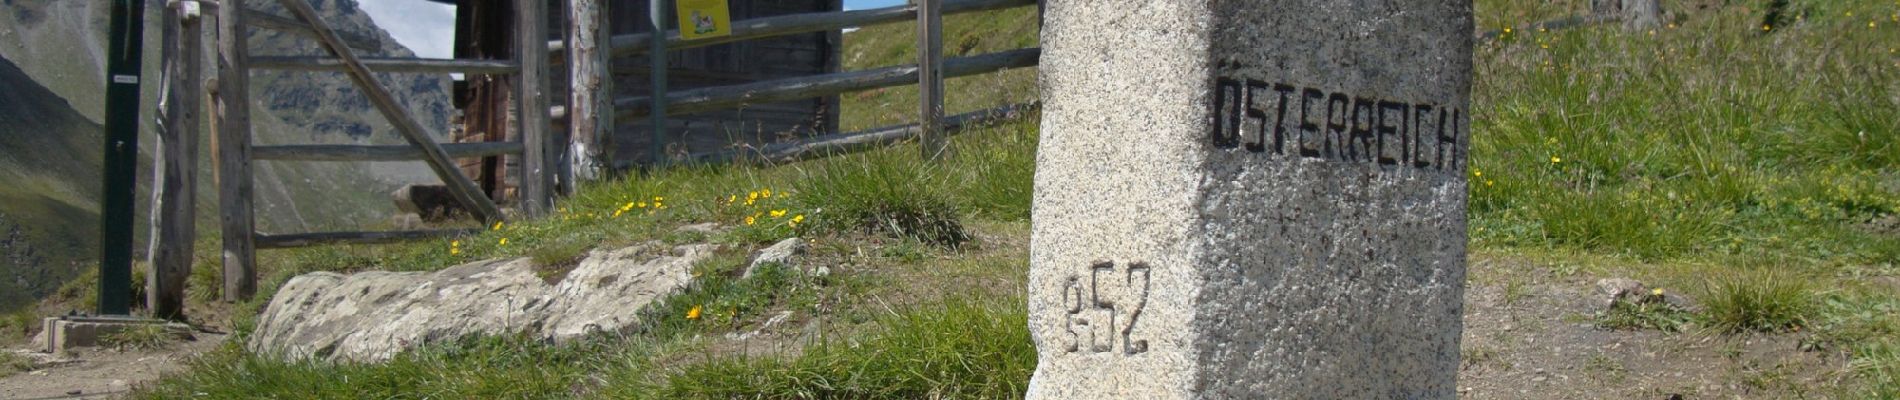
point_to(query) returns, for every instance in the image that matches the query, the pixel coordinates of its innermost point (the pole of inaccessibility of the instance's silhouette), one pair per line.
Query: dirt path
(1530, 333)
(99, 373)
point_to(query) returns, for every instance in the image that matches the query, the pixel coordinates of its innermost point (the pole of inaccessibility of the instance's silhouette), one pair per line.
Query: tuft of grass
(1879, 369)
(1655, 315)
(959, 349)
(1758, 301)
(23, 321)
(883, 192)
(11, 363)
(140, 337)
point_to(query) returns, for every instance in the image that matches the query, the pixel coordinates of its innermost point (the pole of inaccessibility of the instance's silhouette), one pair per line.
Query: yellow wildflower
(1765, 28)
(1554, 160)
(503, 242)
(765, 193)
(797, 219)
(1655, 292)
(750, 220)
(693, 313)
(642, 205)
(1477, 172)
(617, 212)
(1507, 30)
(1488, 182)
(778, 213)
(657, 199)
(732, 198)
(497, 226)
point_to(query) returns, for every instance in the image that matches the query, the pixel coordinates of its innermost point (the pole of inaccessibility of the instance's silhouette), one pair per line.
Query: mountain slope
(49, 157)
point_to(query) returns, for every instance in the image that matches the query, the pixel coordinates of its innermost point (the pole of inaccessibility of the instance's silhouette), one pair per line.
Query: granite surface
(1251, 199)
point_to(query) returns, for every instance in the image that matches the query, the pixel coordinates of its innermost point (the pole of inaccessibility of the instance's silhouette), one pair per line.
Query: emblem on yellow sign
(703, 19)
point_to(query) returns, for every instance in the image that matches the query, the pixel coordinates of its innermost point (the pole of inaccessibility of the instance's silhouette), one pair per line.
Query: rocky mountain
(53, 105)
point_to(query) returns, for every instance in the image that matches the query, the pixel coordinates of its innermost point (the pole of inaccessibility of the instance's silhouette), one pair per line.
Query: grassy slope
(1749, 169)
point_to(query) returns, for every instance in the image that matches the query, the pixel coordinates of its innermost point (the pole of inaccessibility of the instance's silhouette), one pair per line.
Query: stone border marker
(1251, 199)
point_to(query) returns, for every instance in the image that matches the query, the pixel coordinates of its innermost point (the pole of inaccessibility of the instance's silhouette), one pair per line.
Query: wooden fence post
(173, 215)
(233, 108)
(930, 79)
(531, 50)
(590, 119)
(656, 57)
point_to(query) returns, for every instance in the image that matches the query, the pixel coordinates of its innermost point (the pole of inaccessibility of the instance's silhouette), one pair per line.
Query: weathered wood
(407, 65)
(347, 152)
(323, 238)
(845, 143)
(464, 189)
(713, 98)
(930, 79)
(232, 104)
(656, 89)
(630, 44)
(590, 92)
(174, 216)
(266, 20)
(531, 98)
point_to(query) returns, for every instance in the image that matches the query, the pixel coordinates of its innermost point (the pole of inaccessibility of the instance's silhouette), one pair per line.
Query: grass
(140, 337)
(11, 363)
(959, 349)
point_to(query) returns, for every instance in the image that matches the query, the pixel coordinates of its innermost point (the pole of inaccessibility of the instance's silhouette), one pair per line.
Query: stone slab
(1250, 199)
(372, 316)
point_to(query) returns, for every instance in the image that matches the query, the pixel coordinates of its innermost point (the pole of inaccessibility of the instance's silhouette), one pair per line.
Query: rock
(1631, 291)
(1620, 289)
(708, 228)
(1635, 14)
(1242, 198)
(371, 316)
(784, 253)
(769, 323)
(821, 271)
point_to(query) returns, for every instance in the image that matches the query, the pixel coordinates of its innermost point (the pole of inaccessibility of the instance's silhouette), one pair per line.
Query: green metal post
(658, 66)
(123, 62)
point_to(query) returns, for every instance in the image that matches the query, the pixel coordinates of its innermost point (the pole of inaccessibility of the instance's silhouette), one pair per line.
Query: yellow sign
(703, 19)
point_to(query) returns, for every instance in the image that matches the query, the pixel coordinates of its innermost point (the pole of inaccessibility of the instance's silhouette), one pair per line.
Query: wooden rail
(266, 20)
(714, 98)
(414, 65)
(322, 238)
(344, 152)
(759, 28)
(845, 143)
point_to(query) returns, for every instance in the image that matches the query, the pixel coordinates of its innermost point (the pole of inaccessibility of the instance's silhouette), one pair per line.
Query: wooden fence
(589, 113)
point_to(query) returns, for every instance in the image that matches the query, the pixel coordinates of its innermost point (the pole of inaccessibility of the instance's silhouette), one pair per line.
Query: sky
(428, 28)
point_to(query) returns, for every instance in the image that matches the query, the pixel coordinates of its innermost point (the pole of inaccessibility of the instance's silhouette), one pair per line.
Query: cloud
(428, 28)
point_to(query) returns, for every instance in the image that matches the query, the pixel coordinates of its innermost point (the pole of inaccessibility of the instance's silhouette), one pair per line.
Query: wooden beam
(465, 190)
(852, 142)
(346, 152)
(590, 92)
(386, 65)
(531, 100)
(756, 28)
(323, 238)
(174, 211)
(232, 105)
(721, 97)
(930, 79)
(266, 20)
